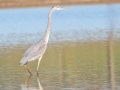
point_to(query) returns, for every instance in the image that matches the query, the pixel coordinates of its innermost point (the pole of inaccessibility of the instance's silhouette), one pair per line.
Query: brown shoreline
(36, 3)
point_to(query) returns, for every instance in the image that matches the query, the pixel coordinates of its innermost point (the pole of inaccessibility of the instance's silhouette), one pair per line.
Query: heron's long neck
(46, 36)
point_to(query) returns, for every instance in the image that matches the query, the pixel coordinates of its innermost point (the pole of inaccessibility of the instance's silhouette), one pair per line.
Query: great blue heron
(37, 50)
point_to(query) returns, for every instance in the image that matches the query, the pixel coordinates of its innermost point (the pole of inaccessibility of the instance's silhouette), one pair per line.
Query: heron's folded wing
(28, 51)
(34, 48)
(35, 55)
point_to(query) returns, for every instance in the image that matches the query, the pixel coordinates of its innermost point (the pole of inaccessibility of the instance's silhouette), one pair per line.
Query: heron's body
(37, 50)
(33, 52)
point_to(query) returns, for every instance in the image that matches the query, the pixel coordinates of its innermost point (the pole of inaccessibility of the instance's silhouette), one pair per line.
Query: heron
(37, 50)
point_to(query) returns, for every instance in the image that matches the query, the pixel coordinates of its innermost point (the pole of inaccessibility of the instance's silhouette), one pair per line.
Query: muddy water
(77, 53)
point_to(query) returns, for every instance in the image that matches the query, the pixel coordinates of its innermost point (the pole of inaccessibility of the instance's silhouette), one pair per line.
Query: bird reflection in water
(27, 87)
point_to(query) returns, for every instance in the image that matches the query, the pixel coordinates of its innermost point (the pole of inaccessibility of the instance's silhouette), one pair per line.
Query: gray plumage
(34, 52)
(37, 50)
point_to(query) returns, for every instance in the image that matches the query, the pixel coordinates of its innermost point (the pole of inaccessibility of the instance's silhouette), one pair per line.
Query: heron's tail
(23, 62)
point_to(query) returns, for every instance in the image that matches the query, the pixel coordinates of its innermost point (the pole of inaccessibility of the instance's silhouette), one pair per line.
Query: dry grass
(34, 3)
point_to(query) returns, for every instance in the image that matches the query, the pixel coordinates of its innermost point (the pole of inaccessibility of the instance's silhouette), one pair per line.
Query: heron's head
(58, 8)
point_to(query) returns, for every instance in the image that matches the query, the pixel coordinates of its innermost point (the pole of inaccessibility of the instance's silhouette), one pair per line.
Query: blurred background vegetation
(29, 3)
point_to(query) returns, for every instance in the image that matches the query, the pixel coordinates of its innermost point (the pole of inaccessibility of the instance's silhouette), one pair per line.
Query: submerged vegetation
(88, 59)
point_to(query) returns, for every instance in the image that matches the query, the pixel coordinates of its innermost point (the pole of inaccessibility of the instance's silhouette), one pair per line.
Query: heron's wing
(28, 51)
(35, 55)
(34, 47)
(34, 52)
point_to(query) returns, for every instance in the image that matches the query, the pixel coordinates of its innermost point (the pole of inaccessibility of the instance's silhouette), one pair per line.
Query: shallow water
(77, 53)
(68, 66)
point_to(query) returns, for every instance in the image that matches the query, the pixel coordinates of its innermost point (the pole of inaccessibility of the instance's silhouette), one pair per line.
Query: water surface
(77, 53)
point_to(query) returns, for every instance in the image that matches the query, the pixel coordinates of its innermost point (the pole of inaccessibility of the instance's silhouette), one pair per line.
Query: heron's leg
(27, 69)
(26, 82)
(40, 86)
(38, 64)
